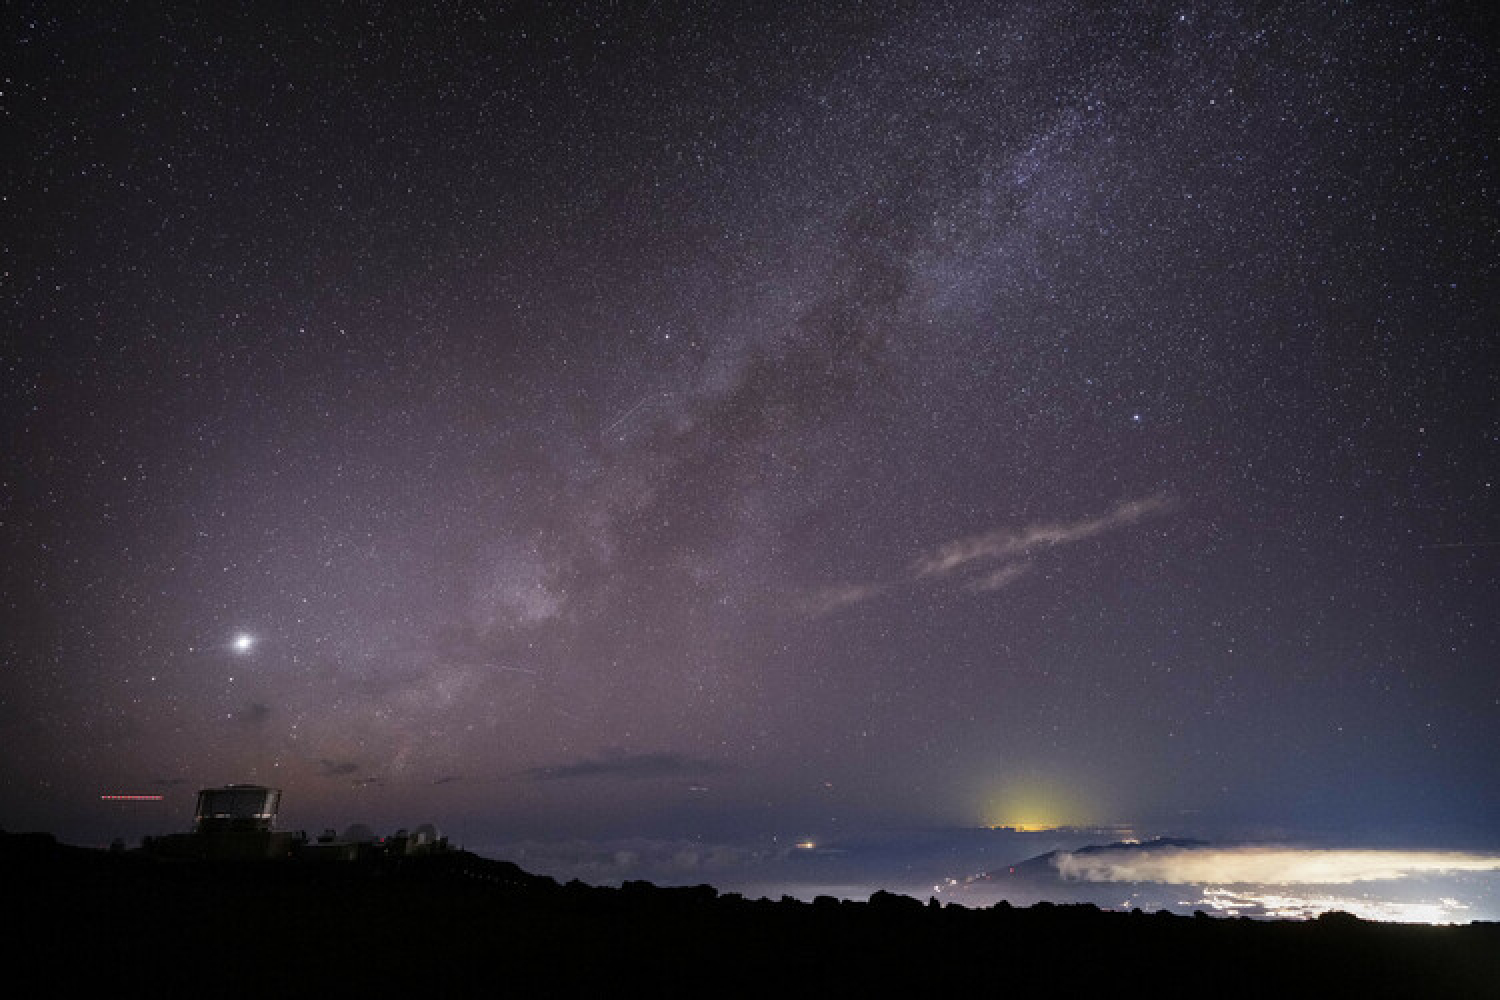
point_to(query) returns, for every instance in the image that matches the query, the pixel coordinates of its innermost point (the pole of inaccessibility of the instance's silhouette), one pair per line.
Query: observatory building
(237, 823)
(232, 823)
(236, 809)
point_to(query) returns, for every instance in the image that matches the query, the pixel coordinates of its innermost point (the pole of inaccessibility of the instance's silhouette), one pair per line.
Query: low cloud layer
(607, 861)
(1266, 865)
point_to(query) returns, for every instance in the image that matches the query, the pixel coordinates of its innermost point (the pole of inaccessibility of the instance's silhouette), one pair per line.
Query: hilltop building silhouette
(237, 823)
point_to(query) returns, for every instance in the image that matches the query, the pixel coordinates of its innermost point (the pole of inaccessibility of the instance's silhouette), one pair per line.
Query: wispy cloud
(1005, 543)
(254, 715)
(827, 600)
(1005, 546)
(336, 768)
(1265, 865)
(1002, 577)
(623, 765)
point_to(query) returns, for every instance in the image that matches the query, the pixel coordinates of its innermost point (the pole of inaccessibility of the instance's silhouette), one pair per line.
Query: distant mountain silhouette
(1043, 867)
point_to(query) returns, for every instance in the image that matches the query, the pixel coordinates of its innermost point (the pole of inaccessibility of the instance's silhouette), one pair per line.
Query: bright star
(243, 643)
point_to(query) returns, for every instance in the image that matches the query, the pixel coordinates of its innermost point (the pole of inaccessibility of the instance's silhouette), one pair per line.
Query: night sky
(722, 420)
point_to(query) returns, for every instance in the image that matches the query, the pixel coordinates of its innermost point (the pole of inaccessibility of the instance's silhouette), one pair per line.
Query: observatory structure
(236, 809)
(231, 823)
(237, 823)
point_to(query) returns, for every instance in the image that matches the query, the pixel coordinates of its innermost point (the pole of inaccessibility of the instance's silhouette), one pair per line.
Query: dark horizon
(1116, 870)
(455, 924)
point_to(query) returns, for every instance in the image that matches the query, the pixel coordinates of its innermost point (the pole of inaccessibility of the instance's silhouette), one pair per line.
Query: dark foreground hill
(456, 924)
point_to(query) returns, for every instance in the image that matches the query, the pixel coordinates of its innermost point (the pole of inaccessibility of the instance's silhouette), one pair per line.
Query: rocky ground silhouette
(456, 924)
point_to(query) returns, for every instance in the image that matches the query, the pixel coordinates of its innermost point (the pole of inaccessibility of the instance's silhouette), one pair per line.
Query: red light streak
(131, 798)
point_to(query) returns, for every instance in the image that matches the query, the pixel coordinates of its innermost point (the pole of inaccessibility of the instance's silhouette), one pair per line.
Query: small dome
(358, 833)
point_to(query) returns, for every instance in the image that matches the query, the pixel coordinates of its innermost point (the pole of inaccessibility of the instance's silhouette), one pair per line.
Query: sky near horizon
(708, 420)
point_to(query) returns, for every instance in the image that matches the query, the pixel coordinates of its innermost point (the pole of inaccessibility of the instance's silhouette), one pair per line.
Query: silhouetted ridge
(454, 924)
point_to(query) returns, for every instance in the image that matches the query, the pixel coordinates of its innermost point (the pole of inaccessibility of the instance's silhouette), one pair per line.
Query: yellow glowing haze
(1035, 805)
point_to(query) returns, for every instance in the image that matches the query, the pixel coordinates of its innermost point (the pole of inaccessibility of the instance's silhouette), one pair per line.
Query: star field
(591, 419)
